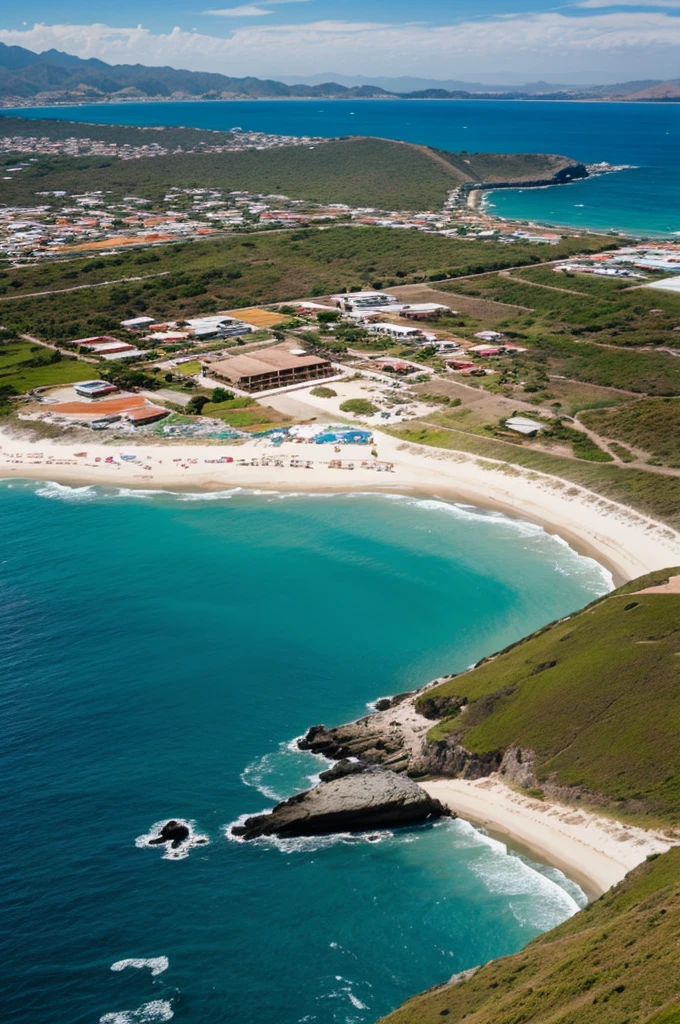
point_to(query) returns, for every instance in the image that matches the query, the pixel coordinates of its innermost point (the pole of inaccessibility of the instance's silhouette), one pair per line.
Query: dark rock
(342, 768)
(172, 832)
(352, 803)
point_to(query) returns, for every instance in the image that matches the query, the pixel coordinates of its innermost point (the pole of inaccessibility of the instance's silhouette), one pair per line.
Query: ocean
(159, 655)
(642, 200)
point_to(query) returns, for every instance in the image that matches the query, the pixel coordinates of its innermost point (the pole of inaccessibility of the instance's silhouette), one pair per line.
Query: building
(398, 331)
(364, 300)
(138, 323)
(522, 425)
(267, 368)
(94, 388)
(424, 311)
(488, 335)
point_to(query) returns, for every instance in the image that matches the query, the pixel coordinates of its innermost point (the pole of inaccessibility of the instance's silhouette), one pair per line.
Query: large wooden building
(268, 368)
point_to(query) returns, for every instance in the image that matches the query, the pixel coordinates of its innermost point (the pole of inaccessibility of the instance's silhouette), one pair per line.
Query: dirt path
(537, 284)
(81, 287)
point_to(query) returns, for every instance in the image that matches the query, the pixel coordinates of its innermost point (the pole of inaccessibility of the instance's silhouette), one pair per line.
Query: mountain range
(28, 78)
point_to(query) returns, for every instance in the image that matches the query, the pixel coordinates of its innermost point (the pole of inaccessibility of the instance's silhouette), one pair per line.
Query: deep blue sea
(158, 654)
(646, 136)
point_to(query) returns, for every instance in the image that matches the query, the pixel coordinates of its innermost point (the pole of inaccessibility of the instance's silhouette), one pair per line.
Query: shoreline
(627, 543)
(594, 851)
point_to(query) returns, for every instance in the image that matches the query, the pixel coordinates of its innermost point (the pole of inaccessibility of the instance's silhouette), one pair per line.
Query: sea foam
(156, 964)
(155, 1012)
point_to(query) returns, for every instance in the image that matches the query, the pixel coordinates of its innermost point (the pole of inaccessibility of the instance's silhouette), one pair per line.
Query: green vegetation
(652, 425)
(304, 261)
(617, 962)
(594, 696)
(605, 312)
(632, 487)
(323, 392)
(24, 367)
(359, 406)
(488, 167)
(358, 171)
(189, 369)
(244, 413)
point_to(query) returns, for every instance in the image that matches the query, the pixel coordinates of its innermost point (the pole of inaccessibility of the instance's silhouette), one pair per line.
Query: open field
(605, 312)
(24, 366)
(651, 426)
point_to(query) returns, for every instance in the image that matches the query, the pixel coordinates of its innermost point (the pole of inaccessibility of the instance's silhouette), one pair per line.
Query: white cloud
(627, 3)
(250, 10)
(244, 11)
(625, 44)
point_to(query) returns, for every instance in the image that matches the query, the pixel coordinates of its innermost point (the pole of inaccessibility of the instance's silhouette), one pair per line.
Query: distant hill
(54, 77)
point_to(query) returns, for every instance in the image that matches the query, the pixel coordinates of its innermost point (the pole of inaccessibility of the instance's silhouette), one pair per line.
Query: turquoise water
(643, 200)
(158, 655)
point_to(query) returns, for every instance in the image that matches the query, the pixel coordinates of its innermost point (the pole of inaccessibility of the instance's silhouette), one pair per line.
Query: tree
(220, 395)
(329, 316)
(195, 406)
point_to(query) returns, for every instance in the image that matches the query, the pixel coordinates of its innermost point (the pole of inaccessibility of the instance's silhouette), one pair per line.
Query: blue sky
(487, 40)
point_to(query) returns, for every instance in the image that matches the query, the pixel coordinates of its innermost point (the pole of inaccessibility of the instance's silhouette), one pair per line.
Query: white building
(397, 331)
(364, 300)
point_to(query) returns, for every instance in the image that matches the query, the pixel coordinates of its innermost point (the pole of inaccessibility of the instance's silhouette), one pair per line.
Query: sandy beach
(595, 851)
(626, 542)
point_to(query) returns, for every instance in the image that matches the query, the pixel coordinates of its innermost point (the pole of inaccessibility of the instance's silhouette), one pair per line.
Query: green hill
(616, 962)
(357, 171)
(594, 698)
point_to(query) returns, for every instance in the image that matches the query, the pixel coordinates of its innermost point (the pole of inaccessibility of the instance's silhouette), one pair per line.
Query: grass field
(652, 425)
(24, 366)
(616, 962)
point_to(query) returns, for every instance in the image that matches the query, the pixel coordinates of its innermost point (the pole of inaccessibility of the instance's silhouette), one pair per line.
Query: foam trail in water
(156, 964)
(155, 1012)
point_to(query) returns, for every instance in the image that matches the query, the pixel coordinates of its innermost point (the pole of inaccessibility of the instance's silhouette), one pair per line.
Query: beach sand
(628, 543)
(595, 851)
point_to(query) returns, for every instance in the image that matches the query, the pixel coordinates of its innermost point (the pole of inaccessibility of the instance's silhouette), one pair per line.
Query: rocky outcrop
(173, 832)
(356, 799)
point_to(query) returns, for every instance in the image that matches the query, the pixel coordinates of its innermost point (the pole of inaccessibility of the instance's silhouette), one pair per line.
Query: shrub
(359, 406)
(322, 392)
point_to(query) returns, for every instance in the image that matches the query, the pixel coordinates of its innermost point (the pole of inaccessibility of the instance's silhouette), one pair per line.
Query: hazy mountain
(53, 77)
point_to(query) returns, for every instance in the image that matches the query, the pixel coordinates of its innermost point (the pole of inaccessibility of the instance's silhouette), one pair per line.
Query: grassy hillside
(358, 171)
(652, 426)
(596, 697)
(488, 167)
(616, 962)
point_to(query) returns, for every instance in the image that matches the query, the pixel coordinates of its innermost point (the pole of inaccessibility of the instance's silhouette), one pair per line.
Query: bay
(158, 654)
